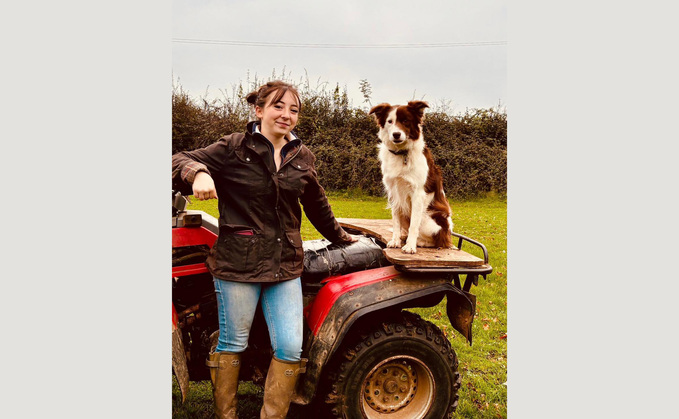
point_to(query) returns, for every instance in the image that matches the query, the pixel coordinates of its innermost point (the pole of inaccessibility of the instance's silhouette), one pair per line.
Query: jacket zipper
(280, 226)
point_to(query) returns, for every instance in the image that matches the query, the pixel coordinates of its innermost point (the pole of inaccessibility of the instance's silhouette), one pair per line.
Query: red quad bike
(366, 356)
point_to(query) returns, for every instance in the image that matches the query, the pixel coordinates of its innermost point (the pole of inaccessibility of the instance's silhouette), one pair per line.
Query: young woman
(259, 177)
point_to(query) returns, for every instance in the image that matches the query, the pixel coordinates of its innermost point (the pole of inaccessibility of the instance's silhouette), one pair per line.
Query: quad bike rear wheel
(402, 367)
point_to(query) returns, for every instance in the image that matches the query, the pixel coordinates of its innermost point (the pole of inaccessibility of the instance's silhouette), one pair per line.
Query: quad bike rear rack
(452, 262)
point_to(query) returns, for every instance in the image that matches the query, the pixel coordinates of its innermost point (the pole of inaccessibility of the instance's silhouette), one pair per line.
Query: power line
(310, 45)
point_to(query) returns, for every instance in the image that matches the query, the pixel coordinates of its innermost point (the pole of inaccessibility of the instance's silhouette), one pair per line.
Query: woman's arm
(318, 211)
(196, 167)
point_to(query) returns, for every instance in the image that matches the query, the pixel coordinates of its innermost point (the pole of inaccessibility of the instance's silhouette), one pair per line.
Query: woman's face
(278, 119)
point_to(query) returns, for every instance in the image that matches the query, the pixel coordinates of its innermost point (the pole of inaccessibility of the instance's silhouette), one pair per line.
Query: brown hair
(259, 96)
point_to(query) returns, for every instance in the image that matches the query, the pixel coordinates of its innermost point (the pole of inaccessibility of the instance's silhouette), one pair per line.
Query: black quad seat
(323, 259)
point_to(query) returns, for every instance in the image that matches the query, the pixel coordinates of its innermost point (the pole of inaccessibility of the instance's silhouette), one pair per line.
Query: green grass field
(482, 366)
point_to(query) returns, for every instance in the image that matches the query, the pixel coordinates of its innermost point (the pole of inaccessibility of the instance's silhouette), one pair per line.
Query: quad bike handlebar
(179, 202)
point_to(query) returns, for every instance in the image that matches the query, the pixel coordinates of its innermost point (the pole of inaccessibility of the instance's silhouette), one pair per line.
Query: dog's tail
(443, 237)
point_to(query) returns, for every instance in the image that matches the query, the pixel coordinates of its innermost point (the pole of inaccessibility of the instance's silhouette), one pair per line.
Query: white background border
(592, 209)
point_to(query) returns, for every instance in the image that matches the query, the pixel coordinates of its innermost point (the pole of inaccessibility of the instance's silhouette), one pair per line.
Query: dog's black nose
(397, 135)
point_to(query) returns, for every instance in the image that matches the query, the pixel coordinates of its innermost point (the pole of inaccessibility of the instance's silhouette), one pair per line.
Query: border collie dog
(420, 212)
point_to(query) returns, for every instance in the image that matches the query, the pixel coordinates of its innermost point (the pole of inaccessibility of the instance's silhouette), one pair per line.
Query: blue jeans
(282, 307)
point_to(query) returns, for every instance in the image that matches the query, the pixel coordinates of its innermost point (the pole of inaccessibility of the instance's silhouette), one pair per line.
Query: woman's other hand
(204, 186)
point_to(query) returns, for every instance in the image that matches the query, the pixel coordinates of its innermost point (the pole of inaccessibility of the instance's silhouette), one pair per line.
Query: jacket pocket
(237, 248)
(297, 255)
(296, 177)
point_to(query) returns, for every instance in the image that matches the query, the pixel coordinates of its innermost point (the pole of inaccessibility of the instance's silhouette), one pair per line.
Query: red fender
(192, 236)
(187, 236)
(316, 312)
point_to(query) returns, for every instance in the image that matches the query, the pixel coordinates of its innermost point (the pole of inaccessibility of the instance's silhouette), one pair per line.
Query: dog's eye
(390, 121)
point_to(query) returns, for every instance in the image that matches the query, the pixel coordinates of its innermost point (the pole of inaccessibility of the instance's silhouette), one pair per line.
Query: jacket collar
(253, 128)
(256, 141)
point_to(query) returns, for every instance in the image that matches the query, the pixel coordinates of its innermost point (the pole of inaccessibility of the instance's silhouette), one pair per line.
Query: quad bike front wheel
(402, 367)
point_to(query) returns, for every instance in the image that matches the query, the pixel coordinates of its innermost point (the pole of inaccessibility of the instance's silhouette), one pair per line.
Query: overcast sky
(472, 76)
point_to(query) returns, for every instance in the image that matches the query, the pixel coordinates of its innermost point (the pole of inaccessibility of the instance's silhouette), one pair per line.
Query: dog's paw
(409, 248)
(394, 243)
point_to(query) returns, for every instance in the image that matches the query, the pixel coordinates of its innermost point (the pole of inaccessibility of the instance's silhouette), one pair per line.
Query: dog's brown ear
(418, 107)
(380, 112)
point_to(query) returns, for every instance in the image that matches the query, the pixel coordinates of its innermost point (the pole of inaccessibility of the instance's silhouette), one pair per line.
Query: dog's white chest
(396, 169)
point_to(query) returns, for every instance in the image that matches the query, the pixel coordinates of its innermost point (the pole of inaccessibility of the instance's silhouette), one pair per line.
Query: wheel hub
(391, 387)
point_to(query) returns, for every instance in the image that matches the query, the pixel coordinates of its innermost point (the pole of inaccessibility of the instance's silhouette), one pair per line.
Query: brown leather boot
(279, 387)
(224, 368)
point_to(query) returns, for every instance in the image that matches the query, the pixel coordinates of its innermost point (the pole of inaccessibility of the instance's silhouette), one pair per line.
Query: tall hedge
(470, 148)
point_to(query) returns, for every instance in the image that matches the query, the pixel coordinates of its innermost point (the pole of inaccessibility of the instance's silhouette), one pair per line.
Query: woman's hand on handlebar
(204, 186)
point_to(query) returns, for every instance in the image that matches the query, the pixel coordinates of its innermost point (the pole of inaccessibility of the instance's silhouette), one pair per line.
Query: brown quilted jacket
(259, 206)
